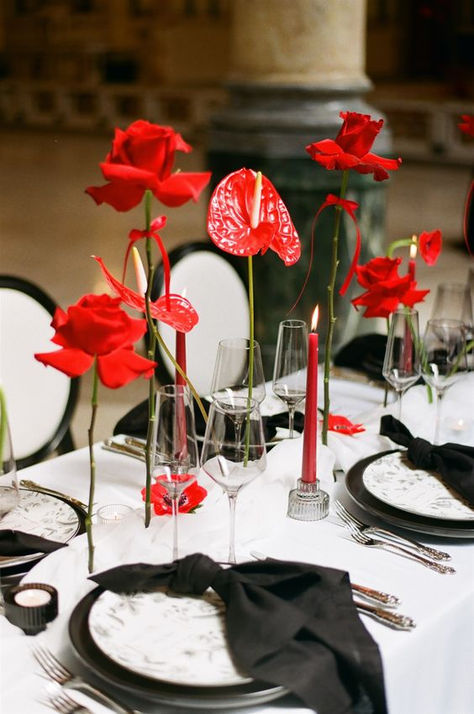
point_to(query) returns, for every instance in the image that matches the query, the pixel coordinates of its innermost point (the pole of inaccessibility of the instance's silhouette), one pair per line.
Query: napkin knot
(420, 453)
(194, 574)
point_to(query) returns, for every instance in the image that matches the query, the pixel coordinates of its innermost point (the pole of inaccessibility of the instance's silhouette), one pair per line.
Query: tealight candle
(32, 597)
(113, 513)
(31, 606)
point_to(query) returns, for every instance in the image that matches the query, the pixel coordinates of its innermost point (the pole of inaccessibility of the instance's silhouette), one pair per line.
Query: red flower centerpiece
(189, 500)
(97, 333)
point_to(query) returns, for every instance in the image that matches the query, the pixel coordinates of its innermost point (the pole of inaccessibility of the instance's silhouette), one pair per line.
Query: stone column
(295, 65)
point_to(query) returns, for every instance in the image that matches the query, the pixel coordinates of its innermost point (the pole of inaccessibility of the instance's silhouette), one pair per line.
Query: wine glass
(230, 463)
(289, 370)
(175, 461)
(443, 359)
(238, 372)
(9, 494)
(401, 366)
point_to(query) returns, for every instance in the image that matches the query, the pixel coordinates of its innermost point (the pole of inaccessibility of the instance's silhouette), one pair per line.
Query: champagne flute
(443, 360)
(231, 463)
(175, 461)
(289, 371)
(401, 366)
(235, 363)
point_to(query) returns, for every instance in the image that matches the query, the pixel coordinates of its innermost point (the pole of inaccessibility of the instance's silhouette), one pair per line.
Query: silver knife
(387, 617)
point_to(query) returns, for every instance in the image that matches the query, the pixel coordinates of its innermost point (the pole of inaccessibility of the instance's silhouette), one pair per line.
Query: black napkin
(289, 624)
(364, 353)
(18, 543)
(454, 462)
(135, 422)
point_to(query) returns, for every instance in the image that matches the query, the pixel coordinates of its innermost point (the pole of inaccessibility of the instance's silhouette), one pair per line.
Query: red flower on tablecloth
(97, 328)
(190, 498)
(385, 289)
(429, 244)
(343, 425)
(351, 148)
(174, 310)
(142, 158)
(239, 226)
(467, 124)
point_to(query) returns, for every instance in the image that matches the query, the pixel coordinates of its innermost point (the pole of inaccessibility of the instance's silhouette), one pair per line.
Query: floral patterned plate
(43, 515)
(395, 481)
(170, 648)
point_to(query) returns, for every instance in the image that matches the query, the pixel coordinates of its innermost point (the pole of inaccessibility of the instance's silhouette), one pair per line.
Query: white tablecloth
(427, 670)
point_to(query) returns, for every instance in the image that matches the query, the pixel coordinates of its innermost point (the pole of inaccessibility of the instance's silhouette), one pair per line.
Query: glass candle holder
(113, 513)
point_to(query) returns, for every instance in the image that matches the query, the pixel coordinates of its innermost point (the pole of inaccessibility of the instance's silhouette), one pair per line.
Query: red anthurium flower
(96, 327)
(351, 148)
(243, 223)
(467, 124)
(429, 244)
(343, 425)
(142, 158)
(189, 499)
(172, 309)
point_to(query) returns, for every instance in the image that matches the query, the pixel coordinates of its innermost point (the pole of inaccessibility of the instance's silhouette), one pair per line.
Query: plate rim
(160, 690)
(422, 524)
(18, 565)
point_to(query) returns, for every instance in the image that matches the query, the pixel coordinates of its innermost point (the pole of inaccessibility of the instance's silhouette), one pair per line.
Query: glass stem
(232, 503)
(291, 419)
(174, 511)
(400, 395)
(439, 396)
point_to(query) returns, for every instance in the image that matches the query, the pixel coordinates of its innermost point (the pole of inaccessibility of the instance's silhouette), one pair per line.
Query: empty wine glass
(289, 371)
(9, 494)
(175, 461)
(401, 366)
(443, 359)
(230, 463)
(238, 372)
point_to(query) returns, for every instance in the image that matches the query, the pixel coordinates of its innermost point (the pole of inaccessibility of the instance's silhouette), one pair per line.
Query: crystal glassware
(175, 460)
(9, 494)
(289, 370)
(443, 359)
(238, 372)
(231, 463)
(401, 367)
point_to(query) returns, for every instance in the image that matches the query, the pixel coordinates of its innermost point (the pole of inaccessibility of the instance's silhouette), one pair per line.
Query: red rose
(343, 425)
(385, 288)
(376, 270)
(142, 158)
(188, 500)
(429, 244)
(467, 124)
(96, 327)
(351, 148)
(230, 224)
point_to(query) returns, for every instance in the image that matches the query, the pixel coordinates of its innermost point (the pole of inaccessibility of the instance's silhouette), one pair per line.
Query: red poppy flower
(141, 158)
(96, 327)
(429, 244)
(188, 500)
(172, 309)
(343, 425)
(467, 124)
(234, 227)
(351, 148)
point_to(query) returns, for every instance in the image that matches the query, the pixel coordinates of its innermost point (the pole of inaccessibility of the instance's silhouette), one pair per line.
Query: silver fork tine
(64, 704)
(342, 510)
(50, 665)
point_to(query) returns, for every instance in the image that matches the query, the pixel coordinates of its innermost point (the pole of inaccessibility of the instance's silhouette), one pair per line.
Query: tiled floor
(49, 228)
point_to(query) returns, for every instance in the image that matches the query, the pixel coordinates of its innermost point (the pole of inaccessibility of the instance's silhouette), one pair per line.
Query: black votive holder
(307, 502)
(31, 618)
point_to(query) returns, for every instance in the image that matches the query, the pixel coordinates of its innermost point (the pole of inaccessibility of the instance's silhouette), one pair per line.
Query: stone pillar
(294, 66)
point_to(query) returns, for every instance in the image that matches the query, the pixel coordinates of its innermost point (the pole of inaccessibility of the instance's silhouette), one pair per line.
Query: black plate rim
(112, 672)
(395, 516)
(22, 568)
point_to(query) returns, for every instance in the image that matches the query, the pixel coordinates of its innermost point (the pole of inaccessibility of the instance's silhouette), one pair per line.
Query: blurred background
(246, 83)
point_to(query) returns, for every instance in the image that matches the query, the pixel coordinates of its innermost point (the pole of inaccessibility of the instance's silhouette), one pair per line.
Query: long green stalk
(251, 358)
(90, 505)
(151, 356)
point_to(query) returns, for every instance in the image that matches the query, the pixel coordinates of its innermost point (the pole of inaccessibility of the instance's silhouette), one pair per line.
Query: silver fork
(64, 704)
(432, 553)
(56, 671)
(363, 539)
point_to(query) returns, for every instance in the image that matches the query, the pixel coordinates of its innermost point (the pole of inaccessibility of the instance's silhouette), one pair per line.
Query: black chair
(214, 282)
(40, 401)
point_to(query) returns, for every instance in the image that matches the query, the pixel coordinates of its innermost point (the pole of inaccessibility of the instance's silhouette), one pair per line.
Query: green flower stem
(88, 519)
(251, 357)
(3, 425)
(385, 395)
(331, 316)
(151, 356)
(399, 244)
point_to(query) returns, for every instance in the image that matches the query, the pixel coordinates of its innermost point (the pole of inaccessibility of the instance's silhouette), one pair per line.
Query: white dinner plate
(395, 481)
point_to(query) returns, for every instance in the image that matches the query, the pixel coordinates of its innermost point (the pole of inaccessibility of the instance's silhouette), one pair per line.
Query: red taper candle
(309, 469)
(412, 262)
(180, 356)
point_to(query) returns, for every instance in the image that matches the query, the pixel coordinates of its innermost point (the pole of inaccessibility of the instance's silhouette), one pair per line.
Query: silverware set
(364, 535)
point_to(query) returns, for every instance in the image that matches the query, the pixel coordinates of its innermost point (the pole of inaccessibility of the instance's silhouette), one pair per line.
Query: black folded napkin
(453, 462)
(135, 422)
(289, 624)
(364, 353)
(18, 543)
